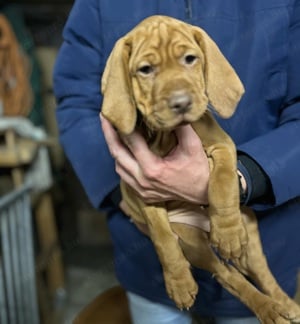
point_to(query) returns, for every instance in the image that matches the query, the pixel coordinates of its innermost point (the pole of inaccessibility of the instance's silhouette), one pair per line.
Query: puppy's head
(170, 71)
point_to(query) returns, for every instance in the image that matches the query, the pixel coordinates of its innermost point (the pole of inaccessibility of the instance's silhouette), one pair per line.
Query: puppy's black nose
(180, 102)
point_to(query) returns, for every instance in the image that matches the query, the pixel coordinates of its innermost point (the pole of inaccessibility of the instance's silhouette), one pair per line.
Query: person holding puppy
(262, 42)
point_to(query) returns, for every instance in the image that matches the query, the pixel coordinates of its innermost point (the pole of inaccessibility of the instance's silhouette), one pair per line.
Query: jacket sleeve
(77, 76)
(278, 152)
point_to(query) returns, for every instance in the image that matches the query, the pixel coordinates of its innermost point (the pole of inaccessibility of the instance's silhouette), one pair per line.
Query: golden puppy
(167, 73)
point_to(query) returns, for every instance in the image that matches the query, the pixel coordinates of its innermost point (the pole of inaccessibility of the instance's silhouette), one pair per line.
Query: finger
(125, 163)
(130, 175)
(139, 148)
(142, 187)
(188, 139)
(111, 136)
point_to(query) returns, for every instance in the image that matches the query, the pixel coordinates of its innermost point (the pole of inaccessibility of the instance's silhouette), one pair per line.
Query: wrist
(243, 187)
(244, 183)
(258, 185)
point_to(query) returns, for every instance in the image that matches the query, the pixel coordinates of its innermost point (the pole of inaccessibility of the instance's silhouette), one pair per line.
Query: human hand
(181, 175)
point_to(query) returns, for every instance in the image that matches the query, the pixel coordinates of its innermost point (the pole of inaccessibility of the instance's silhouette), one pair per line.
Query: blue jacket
(261, 39)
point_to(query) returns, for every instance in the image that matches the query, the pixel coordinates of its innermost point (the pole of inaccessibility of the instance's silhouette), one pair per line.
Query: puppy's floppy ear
(223, 86)
(118, 104)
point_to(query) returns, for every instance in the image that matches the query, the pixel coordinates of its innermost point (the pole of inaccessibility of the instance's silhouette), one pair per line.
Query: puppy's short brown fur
(169, 72)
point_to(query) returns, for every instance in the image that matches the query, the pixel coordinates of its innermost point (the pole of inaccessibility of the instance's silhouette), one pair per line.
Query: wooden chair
(110, 307)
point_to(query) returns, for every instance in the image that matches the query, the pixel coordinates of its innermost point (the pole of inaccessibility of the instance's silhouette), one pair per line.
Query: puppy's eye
(146, 69)
(190, 59)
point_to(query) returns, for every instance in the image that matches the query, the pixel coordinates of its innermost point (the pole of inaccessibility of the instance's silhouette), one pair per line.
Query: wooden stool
(110, 307)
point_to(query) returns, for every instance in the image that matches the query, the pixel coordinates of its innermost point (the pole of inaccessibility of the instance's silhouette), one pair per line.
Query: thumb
(188, 139)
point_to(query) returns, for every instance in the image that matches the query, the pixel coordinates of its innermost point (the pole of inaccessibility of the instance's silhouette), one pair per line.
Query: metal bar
(20, 252)
(14, 252)
(3, 306)
(12, 196)
(24, 275)
(30, 280)
(18, 291)
(7, 262)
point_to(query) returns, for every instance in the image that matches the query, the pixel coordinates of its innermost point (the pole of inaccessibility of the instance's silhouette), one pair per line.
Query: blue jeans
(144, 311)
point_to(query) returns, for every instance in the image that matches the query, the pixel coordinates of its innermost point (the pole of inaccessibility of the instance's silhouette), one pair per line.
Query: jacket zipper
(188, 9)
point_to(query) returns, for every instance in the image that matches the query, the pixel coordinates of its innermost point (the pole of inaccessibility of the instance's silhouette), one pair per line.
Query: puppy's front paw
(230, 240)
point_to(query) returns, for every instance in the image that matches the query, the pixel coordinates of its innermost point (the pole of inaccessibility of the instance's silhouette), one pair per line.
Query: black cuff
(261, 188)
(114, 198)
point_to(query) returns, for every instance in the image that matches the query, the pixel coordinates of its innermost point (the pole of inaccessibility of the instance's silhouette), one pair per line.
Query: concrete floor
(89, 271)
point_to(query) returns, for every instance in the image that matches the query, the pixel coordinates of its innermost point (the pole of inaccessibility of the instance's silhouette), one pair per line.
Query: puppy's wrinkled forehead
(160, 41)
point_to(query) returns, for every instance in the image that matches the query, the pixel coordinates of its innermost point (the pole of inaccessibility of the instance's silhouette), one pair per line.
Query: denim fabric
(144, 311)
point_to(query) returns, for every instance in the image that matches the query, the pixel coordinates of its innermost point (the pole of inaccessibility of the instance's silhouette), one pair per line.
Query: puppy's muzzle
(180, 102)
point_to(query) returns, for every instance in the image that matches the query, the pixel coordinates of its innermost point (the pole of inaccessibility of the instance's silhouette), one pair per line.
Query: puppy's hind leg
(196, 248)
(254, 264)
